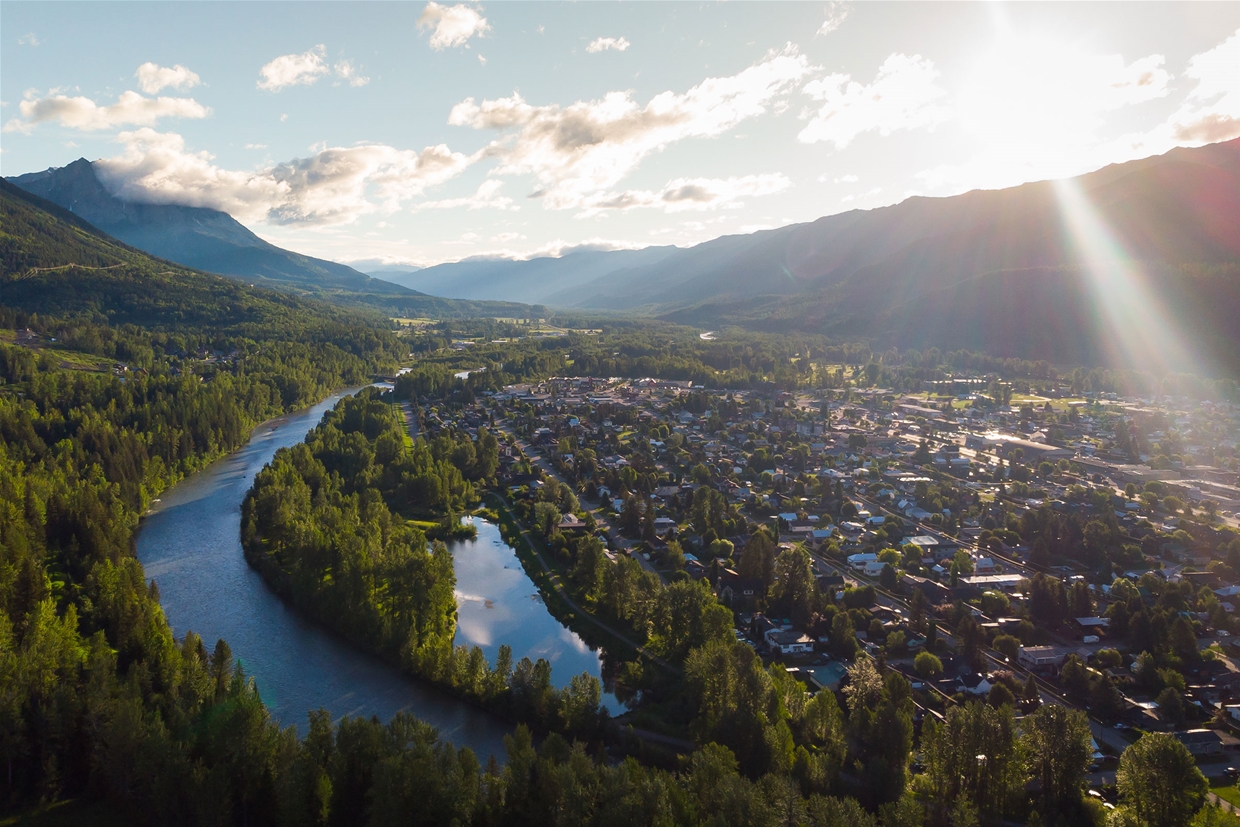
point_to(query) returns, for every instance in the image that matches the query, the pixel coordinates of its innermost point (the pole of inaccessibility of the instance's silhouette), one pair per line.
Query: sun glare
(1037, 105)
(1132, 323)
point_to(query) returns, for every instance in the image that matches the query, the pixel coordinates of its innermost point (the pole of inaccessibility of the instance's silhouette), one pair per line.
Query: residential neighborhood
(1079, 550)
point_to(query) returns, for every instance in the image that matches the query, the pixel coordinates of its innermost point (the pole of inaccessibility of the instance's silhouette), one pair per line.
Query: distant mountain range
(1182, 207)
(538, 280)
(196, 237)
(1000, 271)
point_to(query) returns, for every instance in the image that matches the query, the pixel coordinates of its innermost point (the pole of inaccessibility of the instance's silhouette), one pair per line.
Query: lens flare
(1134, 326)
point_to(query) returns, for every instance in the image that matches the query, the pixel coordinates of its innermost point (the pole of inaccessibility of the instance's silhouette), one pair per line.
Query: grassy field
(68, 359)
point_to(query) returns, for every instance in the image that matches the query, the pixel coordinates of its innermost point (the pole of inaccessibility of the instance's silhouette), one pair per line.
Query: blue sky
(425, 132)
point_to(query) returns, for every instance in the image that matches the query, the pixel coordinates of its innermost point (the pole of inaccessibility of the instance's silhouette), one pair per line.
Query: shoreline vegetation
(325, 525)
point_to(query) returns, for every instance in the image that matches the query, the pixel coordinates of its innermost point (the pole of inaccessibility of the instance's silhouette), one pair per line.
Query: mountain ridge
(197, 237)
(1175, 207)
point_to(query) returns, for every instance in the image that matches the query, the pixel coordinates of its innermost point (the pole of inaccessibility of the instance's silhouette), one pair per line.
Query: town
(1073, 549)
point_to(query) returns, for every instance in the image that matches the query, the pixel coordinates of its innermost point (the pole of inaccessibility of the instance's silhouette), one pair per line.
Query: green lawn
(1226, 791)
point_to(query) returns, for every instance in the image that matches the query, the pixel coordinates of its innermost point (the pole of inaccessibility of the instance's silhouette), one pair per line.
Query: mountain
(93, 273)
(196, 237)
(392, 274)
(843, 271)
(55, 264)
(1178, 208)
(1034, 271)
(534, 281)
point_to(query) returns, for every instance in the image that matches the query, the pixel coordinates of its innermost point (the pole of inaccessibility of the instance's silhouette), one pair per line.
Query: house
(859, 562)
(935, 592)
(571, 522)
(827, 676)
(1041, 660)
(1202, 742)
(789, 642)
(985, 565)
(1092, 626)
(873, 568)
(738, 593)
(974, 684)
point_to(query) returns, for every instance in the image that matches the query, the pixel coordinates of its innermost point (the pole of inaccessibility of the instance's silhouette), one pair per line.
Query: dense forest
(328, 525)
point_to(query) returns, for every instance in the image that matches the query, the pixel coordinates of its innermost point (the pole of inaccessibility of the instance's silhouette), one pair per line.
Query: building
(975, 684)
(1034, 452)
(789, 642)
(1203, 742)
(999, 582)
(859, 562)
(736, 592)
(1041, 660)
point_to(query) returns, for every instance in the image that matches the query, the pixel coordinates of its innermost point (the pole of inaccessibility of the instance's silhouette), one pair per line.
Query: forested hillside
(194, 236)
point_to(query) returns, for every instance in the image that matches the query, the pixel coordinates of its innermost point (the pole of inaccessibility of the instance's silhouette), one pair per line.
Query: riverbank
(190, 546)
(549, 578)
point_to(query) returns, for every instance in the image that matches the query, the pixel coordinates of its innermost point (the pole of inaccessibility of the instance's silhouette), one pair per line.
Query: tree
(1159, 782)
(887, 578)
(758, 559)
(795, 586)
(843, 636)
(1056, 742)
(1000, 695)
(1184, 640)
(1171, 706)
(928, 665)
(1008, 646)
(974, 754)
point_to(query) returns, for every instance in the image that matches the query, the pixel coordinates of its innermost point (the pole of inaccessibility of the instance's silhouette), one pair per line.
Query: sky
(385, 133)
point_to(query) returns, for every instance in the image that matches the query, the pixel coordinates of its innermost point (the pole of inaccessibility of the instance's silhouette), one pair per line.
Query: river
(498, 603)
(191, 546)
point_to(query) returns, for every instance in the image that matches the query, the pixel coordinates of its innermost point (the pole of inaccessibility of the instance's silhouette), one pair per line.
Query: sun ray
(1133, 323)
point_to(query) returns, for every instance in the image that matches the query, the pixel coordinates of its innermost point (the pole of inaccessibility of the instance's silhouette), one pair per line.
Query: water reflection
(497, 603)
(191, 546)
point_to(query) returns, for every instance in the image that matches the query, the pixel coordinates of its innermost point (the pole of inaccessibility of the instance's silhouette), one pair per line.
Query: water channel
(190, 545)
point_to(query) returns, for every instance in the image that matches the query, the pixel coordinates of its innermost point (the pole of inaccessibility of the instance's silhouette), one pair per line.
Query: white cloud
(503, 238)
(602, 44)
(837, 13)
(130, 109)
(348, 73)
(685, 194)
(584, 149)
(335, 185)
(1212, 111)
(453, 25)
(488, 195)
(154, 78)
(255, 146)
(847, 179)
(482, 60)
(28, 39)
(294, 70)
(902, 96)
